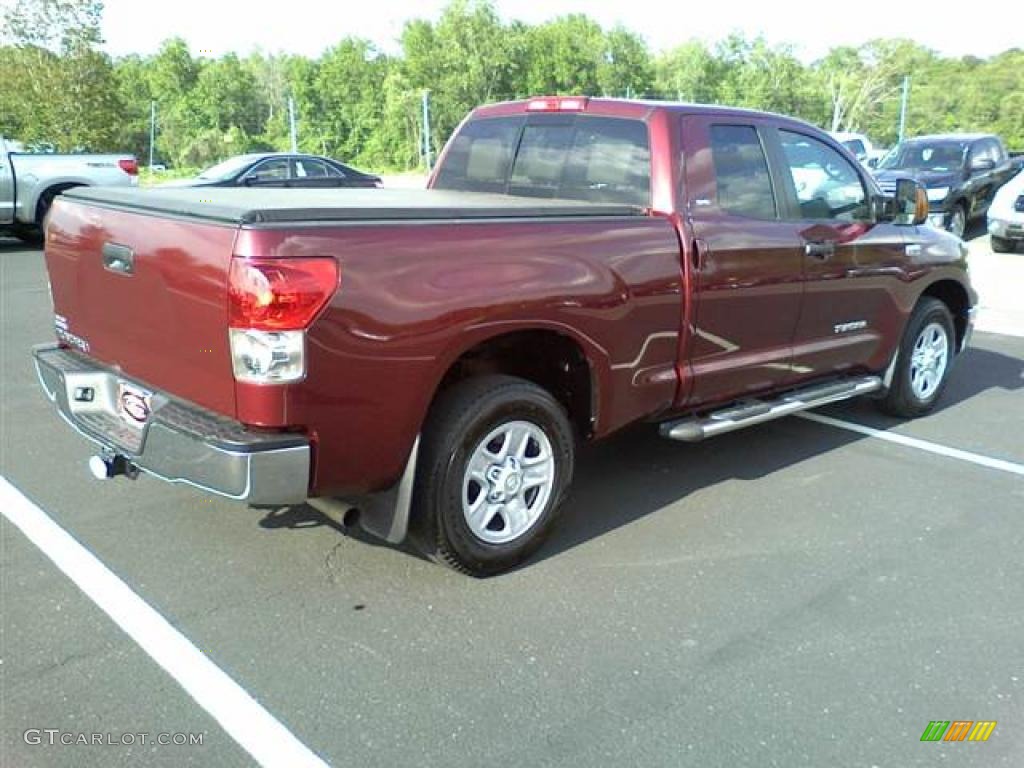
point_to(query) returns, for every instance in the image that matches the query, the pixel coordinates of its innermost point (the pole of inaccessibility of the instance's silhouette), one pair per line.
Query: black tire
(957, 220)
(459, 421)
(1002, 245)
(28, 234)
(903, 399)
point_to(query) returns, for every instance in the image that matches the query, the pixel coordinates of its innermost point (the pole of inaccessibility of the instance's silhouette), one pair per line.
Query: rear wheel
(923, 361)
(1001, 244)
(497, 461)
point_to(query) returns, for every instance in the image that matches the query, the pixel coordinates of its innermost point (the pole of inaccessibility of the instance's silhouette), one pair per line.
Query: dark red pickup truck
(433, 356)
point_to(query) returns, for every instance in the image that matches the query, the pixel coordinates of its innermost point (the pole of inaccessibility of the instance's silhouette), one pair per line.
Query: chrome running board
(749, 412)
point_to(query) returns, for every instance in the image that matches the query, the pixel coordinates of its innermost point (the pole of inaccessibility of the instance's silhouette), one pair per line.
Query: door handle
(820, 250)
(118, 258)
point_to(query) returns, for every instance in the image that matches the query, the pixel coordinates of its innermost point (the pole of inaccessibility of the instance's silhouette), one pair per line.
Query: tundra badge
(853, 325)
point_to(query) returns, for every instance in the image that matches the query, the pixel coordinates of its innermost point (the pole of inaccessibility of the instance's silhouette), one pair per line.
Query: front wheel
(923, 361)
(27, 234)
(497, 461)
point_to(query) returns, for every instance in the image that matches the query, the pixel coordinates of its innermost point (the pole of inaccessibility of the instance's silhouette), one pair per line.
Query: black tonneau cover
(283, 206)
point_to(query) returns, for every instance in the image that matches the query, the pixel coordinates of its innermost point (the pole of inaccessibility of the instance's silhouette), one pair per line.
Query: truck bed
(303, 206)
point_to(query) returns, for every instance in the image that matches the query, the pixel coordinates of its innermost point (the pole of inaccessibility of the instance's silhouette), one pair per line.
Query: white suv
(1006, 215)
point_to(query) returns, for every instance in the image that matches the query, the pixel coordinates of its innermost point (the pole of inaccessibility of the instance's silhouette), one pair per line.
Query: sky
(215, 27)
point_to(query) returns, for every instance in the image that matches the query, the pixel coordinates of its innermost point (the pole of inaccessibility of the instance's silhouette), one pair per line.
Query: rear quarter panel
(416, 296)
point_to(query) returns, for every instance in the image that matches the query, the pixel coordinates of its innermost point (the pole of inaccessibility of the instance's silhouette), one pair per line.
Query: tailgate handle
(821, 250)
(118, 258)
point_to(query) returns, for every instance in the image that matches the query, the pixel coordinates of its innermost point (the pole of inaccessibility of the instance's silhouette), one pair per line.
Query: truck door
(747, 262)
(849, 314)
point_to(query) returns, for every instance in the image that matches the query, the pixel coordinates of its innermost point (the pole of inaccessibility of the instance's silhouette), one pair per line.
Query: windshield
(917, 156)
(227, 169)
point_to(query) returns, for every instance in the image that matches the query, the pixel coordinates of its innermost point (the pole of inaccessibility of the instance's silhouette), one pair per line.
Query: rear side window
(306, 168)
(741, 172)
(600, 159)
(480, 156)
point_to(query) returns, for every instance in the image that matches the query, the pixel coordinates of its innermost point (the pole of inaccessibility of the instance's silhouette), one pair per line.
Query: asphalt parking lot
(797, 594)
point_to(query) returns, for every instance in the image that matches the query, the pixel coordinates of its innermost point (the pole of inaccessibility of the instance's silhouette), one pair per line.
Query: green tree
(756, 75)
(688, 73)
(627, 69)
(468, 58)
(566, 56)
(61, 90)
(349, 82)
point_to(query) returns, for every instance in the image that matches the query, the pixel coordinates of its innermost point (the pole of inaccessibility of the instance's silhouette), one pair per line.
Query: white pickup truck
(860, 145)
(30, 182)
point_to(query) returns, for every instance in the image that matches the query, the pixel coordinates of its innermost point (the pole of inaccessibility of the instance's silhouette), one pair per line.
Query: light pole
(152, 131)
(903, 105)
(291, 125)
(426, 130)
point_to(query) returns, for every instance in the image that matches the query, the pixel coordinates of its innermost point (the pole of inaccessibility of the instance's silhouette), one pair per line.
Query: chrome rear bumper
(180, 442)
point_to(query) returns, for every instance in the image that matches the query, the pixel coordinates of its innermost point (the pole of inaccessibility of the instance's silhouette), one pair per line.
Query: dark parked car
(960, 171)
(277, 169)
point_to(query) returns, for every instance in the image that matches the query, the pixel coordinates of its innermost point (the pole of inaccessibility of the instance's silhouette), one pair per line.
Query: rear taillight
(131, 166)
(270, 304)
(279, 294)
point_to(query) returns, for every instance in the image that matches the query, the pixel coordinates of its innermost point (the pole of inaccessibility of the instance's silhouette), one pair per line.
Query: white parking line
(922, 445)
(245, 720)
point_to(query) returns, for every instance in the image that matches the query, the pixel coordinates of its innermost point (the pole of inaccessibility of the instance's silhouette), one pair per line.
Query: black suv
(961, 172)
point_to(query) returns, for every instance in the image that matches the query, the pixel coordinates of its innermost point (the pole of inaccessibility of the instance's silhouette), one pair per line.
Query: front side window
(987, 149)
(827, 185)
(742, 180)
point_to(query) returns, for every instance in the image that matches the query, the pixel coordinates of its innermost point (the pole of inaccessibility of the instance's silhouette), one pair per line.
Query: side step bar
(749, 412)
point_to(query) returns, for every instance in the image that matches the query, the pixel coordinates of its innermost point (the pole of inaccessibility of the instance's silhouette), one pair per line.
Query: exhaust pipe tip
(107, 467)
(100, 468)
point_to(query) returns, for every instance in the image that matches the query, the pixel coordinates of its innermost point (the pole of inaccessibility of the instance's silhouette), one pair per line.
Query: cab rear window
(579, 157)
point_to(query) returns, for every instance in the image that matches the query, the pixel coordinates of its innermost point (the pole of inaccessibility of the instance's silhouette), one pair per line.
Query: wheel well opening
(548, 359)
(46, 198)
(954, 296)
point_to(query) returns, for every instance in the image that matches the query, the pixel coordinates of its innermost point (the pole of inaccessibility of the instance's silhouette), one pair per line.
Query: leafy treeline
(360, 105)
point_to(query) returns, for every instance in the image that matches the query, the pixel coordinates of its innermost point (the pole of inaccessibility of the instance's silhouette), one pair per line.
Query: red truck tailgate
(162, 319)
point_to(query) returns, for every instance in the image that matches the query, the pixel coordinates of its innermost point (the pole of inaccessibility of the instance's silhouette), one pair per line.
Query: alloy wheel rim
(508, 482)
(928, 360)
